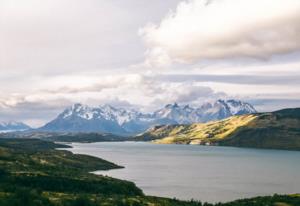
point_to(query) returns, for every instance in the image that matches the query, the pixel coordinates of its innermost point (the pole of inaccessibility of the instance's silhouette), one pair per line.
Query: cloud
(48, 62)
(272, 104)
(217, 29)
(142, 92)
(33, 113)
(234, 79)
(78, 84)
(56, 37)
(184, 93)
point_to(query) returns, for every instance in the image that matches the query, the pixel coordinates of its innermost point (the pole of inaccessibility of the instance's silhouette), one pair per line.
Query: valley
(270, 130)
(31, 163)
(150, 103)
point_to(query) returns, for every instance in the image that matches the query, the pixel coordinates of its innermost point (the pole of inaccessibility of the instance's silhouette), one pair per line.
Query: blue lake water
(200, 172)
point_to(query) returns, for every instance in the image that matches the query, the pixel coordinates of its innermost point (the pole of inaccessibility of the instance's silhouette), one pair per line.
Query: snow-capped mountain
(220, 109)
(13, 126)
(176, 114)
(82, 118)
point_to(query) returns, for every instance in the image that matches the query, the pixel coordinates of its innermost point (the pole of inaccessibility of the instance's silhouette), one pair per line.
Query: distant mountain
(220, 109)
(13, 126)
(276, 130)
(108, 119)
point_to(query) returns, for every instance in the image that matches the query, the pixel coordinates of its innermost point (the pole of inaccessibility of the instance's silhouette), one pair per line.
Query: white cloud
(217, 29)
(54, 37)
(83, 53)
(143, 92)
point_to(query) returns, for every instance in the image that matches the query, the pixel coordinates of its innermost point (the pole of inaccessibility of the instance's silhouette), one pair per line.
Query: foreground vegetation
(33, 173)
(35, 166)
(276, 130)
(35, 198)
(64, 136)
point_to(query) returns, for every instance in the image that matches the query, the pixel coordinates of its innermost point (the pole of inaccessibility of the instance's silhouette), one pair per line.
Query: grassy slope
(279, 130)
(32, 173)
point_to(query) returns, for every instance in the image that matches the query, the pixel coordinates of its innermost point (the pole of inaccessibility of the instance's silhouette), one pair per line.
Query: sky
(144, 54)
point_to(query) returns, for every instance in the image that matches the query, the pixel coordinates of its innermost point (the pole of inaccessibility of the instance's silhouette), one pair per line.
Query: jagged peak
(169, 115)
(10, 122)
(108, 106)
(234, 101)
(221, 100)
(174, 105)
(13, 125)
(78, 107)
(187, 107)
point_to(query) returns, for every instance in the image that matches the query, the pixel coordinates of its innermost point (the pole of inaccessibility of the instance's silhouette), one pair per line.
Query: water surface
(200, 172)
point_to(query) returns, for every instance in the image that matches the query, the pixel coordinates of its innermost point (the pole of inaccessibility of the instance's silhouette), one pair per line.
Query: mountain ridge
(108, 119)
(272, 130)
(6, 126)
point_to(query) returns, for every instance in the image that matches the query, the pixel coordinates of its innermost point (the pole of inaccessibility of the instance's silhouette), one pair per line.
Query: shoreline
(120, 174)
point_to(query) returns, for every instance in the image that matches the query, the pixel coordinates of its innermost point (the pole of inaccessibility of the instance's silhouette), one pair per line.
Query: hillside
(276, 130)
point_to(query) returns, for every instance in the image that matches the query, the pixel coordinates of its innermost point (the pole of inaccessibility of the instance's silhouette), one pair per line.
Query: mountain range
(108, 119)
(13, 126)
(273, 130)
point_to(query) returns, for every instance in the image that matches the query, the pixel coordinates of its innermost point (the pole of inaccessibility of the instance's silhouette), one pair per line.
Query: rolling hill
(274, 130)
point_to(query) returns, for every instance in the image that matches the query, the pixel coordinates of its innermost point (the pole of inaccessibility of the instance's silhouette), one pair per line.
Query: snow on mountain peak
(80, 110)
(171, 106)
(110, 117)
(106, 112)
(13, 126)
(238, 107)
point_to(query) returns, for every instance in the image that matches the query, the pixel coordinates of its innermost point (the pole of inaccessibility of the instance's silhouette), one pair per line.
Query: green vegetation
(65, 136)
(34, 165)
(33, 173)
(84, 137)
(276, 130)
(276, 200)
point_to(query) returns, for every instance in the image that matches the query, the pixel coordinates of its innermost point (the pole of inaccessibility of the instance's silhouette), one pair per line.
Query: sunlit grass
(207, 132)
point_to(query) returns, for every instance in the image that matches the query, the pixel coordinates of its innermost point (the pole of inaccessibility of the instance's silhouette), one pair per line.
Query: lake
(200, 172)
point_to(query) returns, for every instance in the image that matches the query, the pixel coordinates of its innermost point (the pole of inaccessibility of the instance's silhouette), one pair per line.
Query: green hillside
(275, 130)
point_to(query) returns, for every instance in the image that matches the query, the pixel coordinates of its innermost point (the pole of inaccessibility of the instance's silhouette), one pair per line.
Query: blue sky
(144, 54)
